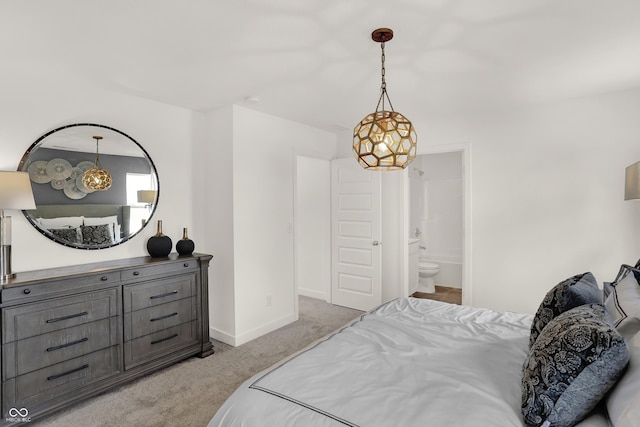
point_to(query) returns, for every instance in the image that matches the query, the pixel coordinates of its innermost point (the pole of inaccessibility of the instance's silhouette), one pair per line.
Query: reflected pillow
(66, 221)
(97, 234)
(623, 304)
(70, 234)
(113, 219)
(574, 362)
(572, 292)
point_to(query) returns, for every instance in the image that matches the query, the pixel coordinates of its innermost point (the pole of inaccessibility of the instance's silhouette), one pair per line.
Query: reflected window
(140, 196)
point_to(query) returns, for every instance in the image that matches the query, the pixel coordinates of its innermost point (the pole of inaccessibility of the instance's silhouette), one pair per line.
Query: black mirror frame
(63, 242)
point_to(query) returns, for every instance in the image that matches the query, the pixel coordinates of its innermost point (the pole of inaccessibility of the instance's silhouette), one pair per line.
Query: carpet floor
(190, 392)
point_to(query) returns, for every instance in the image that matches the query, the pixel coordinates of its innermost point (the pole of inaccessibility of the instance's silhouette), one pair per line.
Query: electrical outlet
(268, 300)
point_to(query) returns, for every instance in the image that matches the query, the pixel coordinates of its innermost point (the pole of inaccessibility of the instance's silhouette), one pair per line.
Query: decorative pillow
(573, 292)
(576, 359)
(607, 287)
(97, 234)
(66, 221)
(111, 220)
(623, 402)
(623, 304)
(70, 234)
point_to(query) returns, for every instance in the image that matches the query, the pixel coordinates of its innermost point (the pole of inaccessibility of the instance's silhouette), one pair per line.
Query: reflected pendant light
(384, 140)
(96, 178)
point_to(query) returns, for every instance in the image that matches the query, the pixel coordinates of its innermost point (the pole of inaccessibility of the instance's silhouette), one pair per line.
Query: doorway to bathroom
(437, 220)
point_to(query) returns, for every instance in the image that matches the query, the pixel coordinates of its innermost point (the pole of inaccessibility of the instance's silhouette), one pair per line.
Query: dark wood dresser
(73, 332)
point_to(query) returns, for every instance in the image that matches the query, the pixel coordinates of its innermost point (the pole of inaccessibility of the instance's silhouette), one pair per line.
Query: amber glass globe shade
(96, 179)
(384, 140)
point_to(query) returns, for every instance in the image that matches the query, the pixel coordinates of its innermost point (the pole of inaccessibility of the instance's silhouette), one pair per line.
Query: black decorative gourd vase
(185, 246)
(159, 246)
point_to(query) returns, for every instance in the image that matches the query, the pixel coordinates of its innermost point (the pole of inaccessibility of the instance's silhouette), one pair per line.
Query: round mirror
(94, 186)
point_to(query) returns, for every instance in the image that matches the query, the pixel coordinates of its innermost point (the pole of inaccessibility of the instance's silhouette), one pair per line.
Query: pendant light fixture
(96, 178)
(385, 139)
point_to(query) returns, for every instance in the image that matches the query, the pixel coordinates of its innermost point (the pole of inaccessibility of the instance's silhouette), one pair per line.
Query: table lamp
(632, 182)
(15, 194)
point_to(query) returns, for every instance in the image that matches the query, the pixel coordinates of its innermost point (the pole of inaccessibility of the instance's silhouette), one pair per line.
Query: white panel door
(356, 232)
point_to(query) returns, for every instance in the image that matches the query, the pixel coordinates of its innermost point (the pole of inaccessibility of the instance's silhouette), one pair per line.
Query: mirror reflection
(94, 186)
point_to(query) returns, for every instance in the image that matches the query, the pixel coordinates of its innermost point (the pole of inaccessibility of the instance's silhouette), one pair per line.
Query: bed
(82, 224)
(417, 362)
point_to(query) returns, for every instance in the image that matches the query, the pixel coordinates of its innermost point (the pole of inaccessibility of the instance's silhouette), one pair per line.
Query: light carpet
(190, 392)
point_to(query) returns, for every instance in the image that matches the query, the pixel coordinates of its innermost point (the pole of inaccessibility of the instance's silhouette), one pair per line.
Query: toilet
(426, 272)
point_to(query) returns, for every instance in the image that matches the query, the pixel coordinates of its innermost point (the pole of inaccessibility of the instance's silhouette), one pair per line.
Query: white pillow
(623, 402)
(117, 230)
(623, 304)
(66, 221)
(113, 219)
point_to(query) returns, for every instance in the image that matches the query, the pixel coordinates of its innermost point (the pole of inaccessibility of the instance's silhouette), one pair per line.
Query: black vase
(185, 246)
(159, 246)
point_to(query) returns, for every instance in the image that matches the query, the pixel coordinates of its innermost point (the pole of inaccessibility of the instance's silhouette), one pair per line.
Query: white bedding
(410, 362)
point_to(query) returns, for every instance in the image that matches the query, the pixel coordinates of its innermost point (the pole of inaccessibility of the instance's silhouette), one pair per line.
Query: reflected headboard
(88, 211)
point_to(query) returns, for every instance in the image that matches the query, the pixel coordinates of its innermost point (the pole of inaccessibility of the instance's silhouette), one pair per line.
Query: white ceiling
(313, 61)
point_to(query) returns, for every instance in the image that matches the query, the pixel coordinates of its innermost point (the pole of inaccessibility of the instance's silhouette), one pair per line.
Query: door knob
(376, 243)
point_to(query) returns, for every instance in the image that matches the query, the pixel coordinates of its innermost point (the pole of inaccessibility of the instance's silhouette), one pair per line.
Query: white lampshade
(15, 191)
(15, 194)
(632, 182)
(147, 196)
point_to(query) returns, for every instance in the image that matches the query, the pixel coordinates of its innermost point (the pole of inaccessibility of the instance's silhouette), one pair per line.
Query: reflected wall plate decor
(56, 163)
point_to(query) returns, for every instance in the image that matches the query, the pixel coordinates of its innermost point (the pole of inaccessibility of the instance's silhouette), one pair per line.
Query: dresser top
(28, 277)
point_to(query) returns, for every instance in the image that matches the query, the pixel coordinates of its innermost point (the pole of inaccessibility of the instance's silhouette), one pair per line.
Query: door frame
(465, 148)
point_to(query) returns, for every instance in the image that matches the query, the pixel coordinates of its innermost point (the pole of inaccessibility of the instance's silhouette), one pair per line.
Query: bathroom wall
(436, 210)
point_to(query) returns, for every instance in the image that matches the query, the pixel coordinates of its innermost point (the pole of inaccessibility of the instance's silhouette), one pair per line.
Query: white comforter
(410, 362)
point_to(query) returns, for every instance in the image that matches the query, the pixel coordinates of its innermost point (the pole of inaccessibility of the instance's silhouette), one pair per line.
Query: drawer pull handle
(55, 377)
(69, 344)
(27, 291)
(168, 294)
(164, 339)
(71, 316)
(104, 278)
(136, 273)
(164, 317)
(186, 264)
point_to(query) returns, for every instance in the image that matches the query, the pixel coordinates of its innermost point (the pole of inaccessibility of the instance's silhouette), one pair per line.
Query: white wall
(547, 193)
(313, 227)
(164, 131)
(214, 172)
(441, 214)
(260, 274)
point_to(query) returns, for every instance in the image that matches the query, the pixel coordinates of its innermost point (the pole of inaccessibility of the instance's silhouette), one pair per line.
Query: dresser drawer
(24, 356)
(143, 322)
(178, 267)
(159, 344)
(67, 377)
(53, 287)
(158, 292)
(29, 320)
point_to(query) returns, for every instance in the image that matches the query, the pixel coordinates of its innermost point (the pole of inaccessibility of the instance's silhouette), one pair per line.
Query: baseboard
(222, 336)
(245, 337)
(313, 294)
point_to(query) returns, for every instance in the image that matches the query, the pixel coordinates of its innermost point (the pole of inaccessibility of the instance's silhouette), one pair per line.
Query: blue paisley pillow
(576, 359)
(573, 292)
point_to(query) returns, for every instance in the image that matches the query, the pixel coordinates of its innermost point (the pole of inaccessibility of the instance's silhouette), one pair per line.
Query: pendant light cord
(383, 85)
(97, 138)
